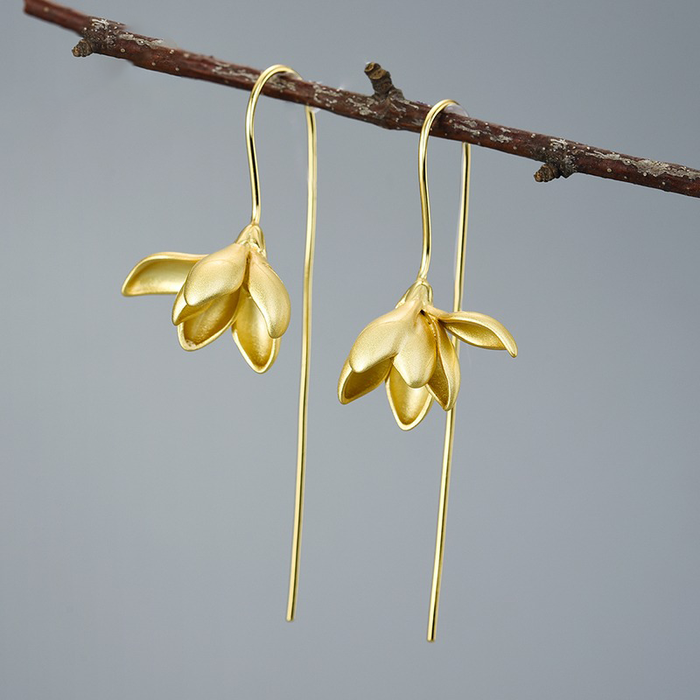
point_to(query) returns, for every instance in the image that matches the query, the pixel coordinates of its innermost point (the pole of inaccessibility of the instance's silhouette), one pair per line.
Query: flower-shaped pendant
(233, 288)
(409, 349)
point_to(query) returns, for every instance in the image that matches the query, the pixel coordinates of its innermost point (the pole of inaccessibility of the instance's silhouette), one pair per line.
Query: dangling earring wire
(306, 303)
(236, 289)
(410, 351)
(458, 293)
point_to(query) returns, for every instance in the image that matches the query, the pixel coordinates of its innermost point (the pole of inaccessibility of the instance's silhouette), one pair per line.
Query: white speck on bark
(153, 44)
(648, 167)
(225, 70)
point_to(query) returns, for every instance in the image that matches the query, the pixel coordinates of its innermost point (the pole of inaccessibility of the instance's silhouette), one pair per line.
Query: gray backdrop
(146, 495)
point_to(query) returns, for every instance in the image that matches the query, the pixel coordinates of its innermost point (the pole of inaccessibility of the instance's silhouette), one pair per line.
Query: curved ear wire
(432, 115)
(305, 364)
(410, 351)
(306, 303)
(236, 289)
(460, 254)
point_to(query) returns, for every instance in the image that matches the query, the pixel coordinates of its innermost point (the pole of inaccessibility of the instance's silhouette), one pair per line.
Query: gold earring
(410, 351)
(236, 288)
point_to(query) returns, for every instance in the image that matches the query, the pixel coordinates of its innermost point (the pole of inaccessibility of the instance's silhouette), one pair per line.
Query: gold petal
(270, 295)
(415, 362)
(480, 330)
(408, 405)
(182, 311)
(383, 338)
(444, 384)
(161, 273)
(216, 275)
(352, 385)
(251, 336)
(209, 323)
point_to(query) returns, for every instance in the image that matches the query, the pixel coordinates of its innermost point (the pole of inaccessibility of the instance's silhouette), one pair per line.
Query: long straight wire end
(305, 365)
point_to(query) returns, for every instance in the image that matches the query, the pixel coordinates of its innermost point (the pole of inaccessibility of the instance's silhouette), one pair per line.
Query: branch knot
(384, 88)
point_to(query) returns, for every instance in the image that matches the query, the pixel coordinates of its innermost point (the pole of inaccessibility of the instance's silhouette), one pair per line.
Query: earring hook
(432, 115)
(250, 132)
(458, 292)
(306, 312)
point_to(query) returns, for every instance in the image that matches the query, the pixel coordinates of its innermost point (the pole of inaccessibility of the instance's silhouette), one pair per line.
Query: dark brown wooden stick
(387, 107)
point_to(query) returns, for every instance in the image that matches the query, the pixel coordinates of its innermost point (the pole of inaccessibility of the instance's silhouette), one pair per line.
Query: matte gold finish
(236, 288)
(410, 350)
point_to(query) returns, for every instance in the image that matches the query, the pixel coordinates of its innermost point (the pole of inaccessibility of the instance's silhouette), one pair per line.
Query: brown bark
(387, 107)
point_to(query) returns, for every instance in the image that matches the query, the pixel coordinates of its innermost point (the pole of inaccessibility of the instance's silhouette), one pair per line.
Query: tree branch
(387, 107)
